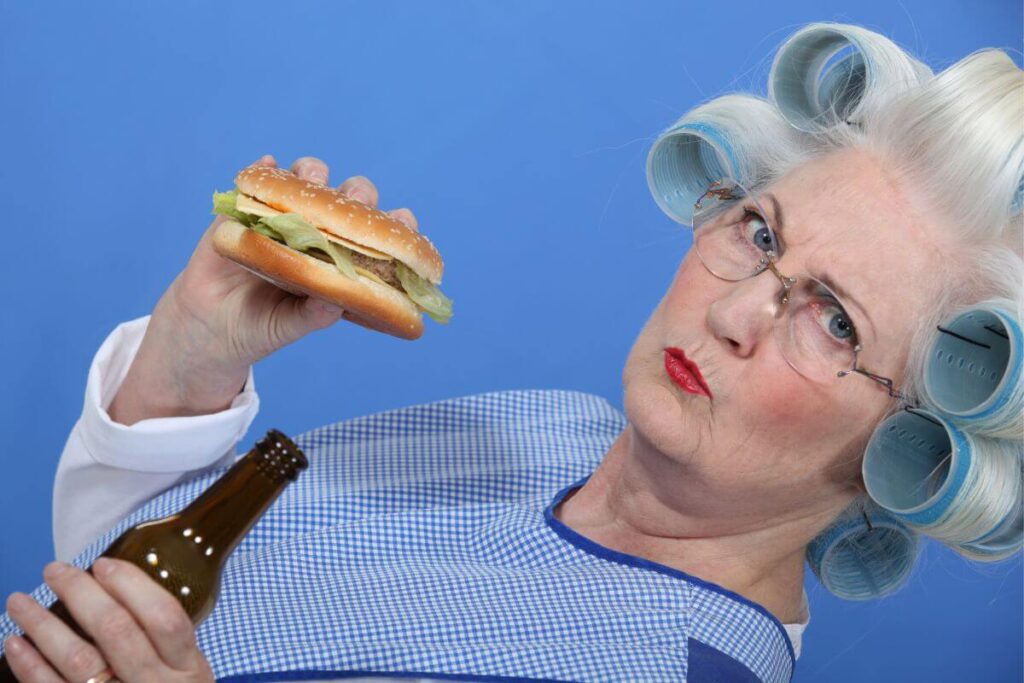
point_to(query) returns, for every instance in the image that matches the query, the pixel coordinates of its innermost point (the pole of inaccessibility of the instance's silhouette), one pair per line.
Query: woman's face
(771, 440)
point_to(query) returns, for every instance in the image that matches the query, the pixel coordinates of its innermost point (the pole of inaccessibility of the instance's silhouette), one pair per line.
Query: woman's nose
(743, 317)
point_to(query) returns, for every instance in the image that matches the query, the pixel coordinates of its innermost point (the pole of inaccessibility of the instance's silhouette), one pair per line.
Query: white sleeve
(107, 469)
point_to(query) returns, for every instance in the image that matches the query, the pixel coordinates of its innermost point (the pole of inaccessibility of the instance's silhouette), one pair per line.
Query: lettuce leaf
(425, 294)
(288, 228)
(342, 258)
(224, 204)
(303, 236)
(267, 231)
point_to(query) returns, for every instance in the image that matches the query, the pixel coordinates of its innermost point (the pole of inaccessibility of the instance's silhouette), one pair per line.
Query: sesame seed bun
(338, 214)
(370, 302)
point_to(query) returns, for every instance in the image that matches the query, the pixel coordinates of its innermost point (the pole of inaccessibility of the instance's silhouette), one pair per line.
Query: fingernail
(13, 644)
(329, 308)
(103, 567)
(55, 569)
(15, 601)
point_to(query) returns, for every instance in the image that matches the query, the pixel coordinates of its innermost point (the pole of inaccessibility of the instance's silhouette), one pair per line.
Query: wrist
(155, 386)
(174, 373)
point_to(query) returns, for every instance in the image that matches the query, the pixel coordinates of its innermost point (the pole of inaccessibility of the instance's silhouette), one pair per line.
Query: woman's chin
(663, 412)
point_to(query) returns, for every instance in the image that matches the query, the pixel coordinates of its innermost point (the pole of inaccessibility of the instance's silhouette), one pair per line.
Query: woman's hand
(217, 318)
(141, 632)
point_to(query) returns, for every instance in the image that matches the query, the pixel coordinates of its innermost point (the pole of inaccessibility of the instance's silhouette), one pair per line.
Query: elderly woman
(542, 535)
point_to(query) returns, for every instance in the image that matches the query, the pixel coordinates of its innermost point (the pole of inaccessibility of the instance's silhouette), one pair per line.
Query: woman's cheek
(780, 400)
(692, 282)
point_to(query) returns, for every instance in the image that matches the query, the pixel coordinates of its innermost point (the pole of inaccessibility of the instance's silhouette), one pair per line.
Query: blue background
(517, 133)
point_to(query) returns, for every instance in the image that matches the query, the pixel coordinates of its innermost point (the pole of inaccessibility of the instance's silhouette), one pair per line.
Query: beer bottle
(185, 552)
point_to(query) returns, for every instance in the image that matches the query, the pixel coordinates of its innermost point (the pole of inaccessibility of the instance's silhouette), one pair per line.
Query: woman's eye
(835, 322)
(757, 231)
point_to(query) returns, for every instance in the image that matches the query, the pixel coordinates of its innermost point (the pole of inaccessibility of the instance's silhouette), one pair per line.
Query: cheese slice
(368, 251)
(371, 275)
(247, 204)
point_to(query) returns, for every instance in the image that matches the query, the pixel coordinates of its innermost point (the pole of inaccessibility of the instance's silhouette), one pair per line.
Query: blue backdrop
(516, 132)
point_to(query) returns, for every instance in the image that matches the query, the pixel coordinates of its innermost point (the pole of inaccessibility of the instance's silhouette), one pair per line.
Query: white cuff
(162, 444)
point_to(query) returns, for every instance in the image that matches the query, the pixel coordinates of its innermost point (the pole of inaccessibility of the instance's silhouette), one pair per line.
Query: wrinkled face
(770, 439)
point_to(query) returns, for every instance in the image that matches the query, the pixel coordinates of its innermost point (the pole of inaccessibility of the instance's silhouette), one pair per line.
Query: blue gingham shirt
(421, 543)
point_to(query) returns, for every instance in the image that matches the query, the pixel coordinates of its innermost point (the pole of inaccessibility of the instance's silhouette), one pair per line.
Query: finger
(74, 658)
(311, 169)
(165, 621)
(27, 665)
(124, 644)
(361, 189)
(406, 216)
(298, 316)
(265, 160)
(317, 313)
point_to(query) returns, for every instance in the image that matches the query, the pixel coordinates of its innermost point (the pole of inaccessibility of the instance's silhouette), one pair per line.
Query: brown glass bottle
(185, 552)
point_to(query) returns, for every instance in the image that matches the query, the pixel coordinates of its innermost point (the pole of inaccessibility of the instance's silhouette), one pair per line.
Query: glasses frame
(767, 262)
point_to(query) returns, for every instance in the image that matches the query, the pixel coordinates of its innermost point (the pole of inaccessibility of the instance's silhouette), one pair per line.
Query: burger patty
(385, 270)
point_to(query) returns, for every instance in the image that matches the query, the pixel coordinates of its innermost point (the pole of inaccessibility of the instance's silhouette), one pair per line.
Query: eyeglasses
(734, 241)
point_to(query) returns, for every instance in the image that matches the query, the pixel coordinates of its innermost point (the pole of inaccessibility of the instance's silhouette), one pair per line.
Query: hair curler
(865, 554)
(813, 94)
(716, 140)
(683, 162)
(973, 371)
(958, 487)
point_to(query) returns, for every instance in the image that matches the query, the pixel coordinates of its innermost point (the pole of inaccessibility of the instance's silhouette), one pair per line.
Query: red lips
(685, 372)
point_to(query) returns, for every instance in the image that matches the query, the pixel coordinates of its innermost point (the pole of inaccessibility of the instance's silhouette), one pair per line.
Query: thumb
(302, 315)
(318, 313)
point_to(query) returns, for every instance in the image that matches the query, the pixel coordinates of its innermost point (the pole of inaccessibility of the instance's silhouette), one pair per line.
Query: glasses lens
(730, 232)
(815, 334)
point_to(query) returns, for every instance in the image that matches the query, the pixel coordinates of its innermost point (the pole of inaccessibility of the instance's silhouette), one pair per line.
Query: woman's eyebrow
(825, 278)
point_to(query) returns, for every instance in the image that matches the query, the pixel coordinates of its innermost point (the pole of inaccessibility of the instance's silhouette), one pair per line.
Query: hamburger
(313, 240)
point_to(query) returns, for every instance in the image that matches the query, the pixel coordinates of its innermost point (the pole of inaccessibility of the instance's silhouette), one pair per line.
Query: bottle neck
(222, 515)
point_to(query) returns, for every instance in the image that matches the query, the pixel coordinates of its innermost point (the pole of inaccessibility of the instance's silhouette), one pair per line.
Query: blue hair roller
(842, 86)
(683, 162)
(915, 466)
(793, 84)
(816, 87)
(973, 372)
(865, 555)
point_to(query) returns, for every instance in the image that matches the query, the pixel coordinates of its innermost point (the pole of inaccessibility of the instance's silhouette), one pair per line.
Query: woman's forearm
(108, 469)
(167, 377)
